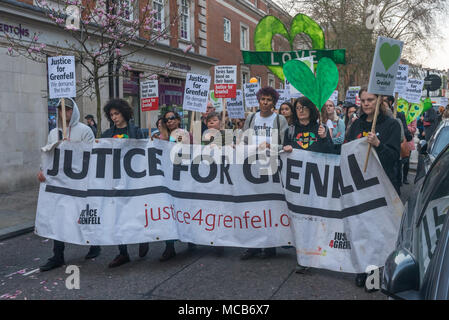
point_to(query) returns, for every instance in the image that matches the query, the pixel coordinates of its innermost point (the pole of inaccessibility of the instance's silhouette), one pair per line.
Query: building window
(245, 77)
(271, 83)
(127, 9)
(185, 20)
(227, 30)
(259, 80)
(244, 38)
(158, 6)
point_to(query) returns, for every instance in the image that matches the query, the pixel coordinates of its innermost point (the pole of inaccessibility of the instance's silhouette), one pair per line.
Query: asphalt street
(197, 275)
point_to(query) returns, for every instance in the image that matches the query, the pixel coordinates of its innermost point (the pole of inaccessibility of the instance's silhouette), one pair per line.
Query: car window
(441, 141)
(434, 210)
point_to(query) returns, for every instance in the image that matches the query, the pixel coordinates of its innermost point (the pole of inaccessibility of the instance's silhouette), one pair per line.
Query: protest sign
(149, 95)
(294, 94)
(235, 107)
(284, 96)
(61, 77)
(413, 90)
(196, 92)
(250, 93)
(118, 191)
(334, 97)
(401, 79)
(225, 84)
(216, 102)
(385, 66)
(351, 94)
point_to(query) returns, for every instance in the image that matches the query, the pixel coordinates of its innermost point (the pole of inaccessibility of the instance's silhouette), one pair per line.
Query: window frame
(188, 21)
(229, 31)
(247, 40)
(162, 13)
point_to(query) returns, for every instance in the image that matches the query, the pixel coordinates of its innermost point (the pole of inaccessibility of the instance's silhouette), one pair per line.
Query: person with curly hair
(120, 113)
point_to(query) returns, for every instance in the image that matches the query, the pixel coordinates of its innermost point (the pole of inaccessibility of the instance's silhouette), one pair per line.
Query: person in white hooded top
(76, 131)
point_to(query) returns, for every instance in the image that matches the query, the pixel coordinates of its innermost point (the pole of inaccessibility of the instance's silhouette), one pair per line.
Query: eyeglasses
(299, 108)
(169, 118)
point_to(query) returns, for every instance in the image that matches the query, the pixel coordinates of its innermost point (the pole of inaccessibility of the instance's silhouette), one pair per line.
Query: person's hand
(288, 149)
(338, 134)
(373, 140)
(322, 132)
(41, 177)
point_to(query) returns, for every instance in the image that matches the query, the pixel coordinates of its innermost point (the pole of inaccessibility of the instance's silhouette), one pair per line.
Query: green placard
(272, 58)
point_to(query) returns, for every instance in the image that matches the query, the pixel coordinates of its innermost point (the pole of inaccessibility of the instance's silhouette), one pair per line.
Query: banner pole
(223, 117)
(373, 130)
(395, 108)
(64, 125)
(192, 116)
(148, 116)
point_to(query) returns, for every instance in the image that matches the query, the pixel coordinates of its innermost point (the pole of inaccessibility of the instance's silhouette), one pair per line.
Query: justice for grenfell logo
(89, 216)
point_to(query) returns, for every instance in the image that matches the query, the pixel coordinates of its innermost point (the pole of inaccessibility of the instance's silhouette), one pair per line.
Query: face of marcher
(240, 123)
(213, 123)
(172, 122)
(266, 104)
(368, 101)
(351, 112)
(117, 118)
(286, 111)
(330, 107)
(68, 114)
(303, 113)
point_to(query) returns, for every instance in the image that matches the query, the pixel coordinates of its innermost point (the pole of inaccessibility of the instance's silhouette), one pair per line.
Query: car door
(433, 209)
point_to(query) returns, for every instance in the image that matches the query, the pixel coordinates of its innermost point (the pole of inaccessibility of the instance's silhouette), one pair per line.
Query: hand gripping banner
(118, 191)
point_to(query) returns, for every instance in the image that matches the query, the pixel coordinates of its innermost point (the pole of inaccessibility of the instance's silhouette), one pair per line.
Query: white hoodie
(76, 131)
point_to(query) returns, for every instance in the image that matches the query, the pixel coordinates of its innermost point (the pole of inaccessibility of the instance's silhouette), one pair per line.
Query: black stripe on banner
(160, 189)
(335, 214)
(339, 214)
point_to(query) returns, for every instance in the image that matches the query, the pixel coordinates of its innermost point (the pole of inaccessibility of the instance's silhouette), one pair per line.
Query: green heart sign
(389, 54)
(318, 89)
(403, 106)
(415, 110)
(270, 26)
(427, 104)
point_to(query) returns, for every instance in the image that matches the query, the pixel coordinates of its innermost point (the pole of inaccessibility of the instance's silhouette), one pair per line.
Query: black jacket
(388, 131)
(307, 138)
(133, 132)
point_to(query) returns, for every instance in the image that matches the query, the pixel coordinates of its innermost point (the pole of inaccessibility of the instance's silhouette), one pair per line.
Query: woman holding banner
(386, 140)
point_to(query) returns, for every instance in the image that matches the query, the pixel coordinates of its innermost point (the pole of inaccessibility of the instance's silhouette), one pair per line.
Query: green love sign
(414, 111)
(389, 54)
(318, 89)
(403, 106)
(427, 104)
(271, 25)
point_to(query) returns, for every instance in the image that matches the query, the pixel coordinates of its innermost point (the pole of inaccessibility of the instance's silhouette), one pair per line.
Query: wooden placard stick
(223, 116)
(192, 119)
(373, 130)
(64, 124)
(395, 107)
(148, 115)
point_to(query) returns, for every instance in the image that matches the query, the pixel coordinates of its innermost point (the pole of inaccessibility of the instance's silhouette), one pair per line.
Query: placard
(149, 95)
(351, 94)
(225, 84)
(235, 107)
(284, 96)
(401, 79)
(413, 90)
(250, 92)
(61, 77)
(196, 92)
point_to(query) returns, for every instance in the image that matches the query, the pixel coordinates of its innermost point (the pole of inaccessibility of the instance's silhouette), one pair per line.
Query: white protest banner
(61, 77)
(284, 96)
(225, 84)
(217, 103)
(250, 93)
(149, 95)
(119, 191)
(235, 107)
(196, 92)
(385, 66)
(413, 90)
(444, 101)
(401, 79)
(351, 94)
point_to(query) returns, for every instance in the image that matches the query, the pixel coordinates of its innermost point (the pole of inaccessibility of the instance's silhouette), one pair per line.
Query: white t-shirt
(263, 128)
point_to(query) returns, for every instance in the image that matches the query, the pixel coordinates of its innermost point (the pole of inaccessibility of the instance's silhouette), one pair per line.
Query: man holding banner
(77, 131)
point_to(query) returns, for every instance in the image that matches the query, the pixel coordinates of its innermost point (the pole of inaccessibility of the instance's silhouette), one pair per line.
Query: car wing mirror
(422, 147)
(401, 274)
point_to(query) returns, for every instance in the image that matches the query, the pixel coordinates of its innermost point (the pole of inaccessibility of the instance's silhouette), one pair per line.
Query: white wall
(23, 120)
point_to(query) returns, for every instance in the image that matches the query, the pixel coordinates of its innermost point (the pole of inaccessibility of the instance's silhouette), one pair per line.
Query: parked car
(419, 266)
(428, 151)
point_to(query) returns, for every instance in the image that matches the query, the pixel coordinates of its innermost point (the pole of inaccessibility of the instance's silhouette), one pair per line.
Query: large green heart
(318, 89)
(403, 106)
(270, 26)
(389, 54)
(415, 110)
(427, 104)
